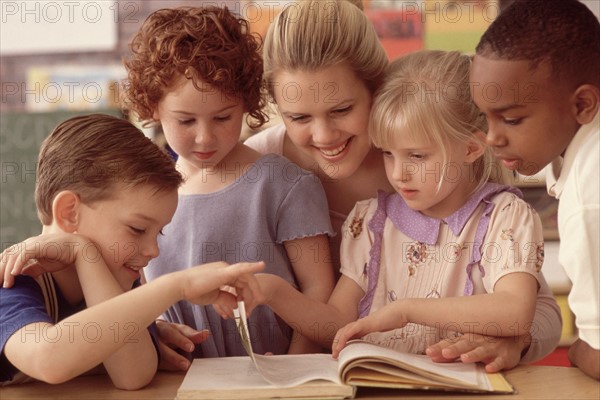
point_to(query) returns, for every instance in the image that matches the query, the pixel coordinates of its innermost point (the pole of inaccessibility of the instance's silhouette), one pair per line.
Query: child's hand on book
(497, 353)
(387, 318)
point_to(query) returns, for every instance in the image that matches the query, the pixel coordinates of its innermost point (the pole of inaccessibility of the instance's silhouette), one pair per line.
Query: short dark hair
(563, 32)
(92, 155)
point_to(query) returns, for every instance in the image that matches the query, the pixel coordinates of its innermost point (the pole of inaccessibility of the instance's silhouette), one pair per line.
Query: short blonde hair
(315, 34)
(427, 93)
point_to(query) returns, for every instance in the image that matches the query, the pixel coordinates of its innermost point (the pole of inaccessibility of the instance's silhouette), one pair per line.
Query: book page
(461, 374)
(286, 370)
(237, 378)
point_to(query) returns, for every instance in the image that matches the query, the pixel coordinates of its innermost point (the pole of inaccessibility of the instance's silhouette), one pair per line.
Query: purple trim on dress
(376, 226)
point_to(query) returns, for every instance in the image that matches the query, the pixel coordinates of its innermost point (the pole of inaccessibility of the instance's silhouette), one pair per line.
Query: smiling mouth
(336, 151)
(136, 268)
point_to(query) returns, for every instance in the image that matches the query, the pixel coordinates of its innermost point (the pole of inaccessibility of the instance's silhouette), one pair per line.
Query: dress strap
(376, 225)
(482, 227)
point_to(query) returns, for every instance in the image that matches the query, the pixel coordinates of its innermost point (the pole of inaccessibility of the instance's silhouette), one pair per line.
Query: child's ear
(587, 101)
(66, 210)
(475, 147)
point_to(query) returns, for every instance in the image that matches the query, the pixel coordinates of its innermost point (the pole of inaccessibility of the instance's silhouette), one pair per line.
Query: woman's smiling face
(326, 115)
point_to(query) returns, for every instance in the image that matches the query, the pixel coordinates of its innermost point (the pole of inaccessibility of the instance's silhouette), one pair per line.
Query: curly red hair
(207, 44)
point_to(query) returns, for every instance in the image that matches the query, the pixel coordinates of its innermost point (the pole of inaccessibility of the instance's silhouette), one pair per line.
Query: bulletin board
(35, 27)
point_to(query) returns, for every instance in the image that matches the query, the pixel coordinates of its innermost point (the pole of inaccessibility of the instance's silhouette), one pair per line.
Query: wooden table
(531, 382)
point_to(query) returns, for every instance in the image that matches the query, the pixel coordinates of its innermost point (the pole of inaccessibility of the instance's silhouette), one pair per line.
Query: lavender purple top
(273, 202)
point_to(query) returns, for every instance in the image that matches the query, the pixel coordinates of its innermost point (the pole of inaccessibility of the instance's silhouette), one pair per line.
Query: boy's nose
(495, 137)
(150, 248)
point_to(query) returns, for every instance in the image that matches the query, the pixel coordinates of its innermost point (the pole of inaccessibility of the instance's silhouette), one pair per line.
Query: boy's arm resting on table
(130, 360)
(509, 310)
(313, 270)
(320, 320)
(119, 324)
(69, 338)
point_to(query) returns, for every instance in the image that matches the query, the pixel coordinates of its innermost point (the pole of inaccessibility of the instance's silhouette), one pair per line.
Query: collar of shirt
(425, 229)
(557, 174)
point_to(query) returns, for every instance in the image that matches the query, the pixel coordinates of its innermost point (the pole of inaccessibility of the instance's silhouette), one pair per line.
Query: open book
(320, 376)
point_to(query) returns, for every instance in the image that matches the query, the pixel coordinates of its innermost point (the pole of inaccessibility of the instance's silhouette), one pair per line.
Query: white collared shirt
(573, 179)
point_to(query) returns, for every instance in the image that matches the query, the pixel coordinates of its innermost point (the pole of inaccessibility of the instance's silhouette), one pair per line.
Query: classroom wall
(128, 14)
(39, 89)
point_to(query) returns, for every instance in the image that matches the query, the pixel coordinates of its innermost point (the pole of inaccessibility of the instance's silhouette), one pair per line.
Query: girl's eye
(297, 118)
(418, 157)
(223, 118)
(512, 121)
(386, 153)
(185, 121)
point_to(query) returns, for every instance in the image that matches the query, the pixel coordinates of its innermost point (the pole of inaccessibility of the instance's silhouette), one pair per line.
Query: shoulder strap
(49, 291)
(376, 225)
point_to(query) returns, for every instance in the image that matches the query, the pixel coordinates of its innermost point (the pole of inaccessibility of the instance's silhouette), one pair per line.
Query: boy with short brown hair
(104, 192)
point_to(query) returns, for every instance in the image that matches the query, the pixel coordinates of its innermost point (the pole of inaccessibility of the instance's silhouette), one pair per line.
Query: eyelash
(343, 110)
(297, 119)
(137, 231)
(191, 121)
(142, 231)
(416, 157)
(512, 122)
(338, 111)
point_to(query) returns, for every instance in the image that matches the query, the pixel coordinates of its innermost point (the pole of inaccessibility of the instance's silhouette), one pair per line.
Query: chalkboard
(20, 137)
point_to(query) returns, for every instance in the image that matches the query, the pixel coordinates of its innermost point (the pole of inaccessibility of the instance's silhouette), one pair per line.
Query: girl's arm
(56, 353)
(311, 262)
(317, 320)
(508, 311)
(501, 353)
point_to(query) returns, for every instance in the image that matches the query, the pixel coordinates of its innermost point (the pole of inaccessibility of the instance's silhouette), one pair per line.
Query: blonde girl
(449, 252)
